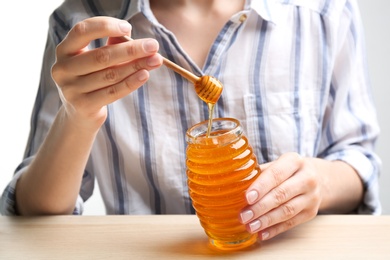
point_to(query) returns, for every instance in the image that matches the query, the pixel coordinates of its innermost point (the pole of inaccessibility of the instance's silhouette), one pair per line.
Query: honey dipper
(207, 88)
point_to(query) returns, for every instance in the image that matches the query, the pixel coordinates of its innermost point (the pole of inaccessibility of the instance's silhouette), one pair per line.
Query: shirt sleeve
(350, 125)
(46, 106)
(8, 199)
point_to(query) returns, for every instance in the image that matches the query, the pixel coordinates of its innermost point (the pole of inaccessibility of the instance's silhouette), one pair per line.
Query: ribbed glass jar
(220, 168)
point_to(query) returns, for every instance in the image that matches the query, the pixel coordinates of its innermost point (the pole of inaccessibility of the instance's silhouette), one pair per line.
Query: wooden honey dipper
(207, 88)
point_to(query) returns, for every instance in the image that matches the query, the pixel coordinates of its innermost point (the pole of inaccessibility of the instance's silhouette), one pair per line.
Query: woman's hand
(286, 194)
(88, 80)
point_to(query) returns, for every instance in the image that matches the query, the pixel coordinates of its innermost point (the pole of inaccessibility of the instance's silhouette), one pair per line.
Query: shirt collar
(134, 7)
(268, 9)
(139, 7)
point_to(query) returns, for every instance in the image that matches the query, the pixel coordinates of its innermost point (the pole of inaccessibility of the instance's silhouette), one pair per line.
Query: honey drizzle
(211, 110)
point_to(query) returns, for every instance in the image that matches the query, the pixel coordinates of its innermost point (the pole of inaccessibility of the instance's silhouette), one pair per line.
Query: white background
(23, 27)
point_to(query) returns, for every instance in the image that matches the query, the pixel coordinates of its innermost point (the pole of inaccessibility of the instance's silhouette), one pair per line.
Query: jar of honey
(220, 168)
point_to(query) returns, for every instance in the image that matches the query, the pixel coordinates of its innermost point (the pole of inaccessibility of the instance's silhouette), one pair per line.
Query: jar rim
(197, 133)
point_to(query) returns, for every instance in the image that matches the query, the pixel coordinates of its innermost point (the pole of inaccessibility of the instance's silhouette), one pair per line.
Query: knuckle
(111, 75)
(288, 210)
(57, 71)
(312, 181)
(277, 174)
(80, 28)
(112, 91)
(280, 195)
(289, 224)
(137, 66)
(131, 50)
(102, 56)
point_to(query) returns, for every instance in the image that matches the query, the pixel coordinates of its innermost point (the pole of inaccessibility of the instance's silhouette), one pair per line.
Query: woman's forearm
(51, 183)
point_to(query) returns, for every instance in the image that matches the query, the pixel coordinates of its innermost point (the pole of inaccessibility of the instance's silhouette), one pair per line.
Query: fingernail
(150, 45)
(264, 235)
(153, 61)
(125, 26)
(252, 196)
(255, 225)
(246, 215)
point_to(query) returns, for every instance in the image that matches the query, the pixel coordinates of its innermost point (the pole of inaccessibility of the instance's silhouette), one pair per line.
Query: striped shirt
(294, 74)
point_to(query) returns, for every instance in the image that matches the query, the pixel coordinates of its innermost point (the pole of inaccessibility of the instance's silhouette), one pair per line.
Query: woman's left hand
(286, 194)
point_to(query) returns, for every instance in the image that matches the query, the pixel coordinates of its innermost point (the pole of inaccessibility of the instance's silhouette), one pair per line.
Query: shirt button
(243, 17)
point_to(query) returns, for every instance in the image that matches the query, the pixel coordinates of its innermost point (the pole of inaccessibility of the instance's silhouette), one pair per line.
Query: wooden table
(181, 237)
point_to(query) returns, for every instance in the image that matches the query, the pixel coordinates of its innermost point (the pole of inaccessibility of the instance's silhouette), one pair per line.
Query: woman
(293, 74)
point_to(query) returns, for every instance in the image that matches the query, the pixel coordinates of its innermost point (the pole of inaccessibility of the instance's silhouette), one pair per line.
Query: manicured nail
(264, 235)
(153, 61)
(246, 215)
(125, 26)
(255, 225)
(252, 196)
(150, 45)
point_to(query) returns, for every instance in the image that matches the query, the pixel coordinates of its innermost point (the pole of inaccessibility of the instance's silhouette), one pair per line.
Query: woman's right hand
(88, 80)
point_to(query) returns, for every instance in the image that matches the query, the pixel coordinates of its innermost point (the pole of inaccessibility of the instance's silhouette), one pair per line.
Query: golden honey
(220, 168)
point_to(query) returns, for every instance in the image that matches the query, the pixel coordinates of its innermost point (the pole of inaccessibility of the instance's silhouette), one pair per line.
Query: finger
(90, 29)
(284, 213)
(264, 166)
(272, 231)
(99, 98)
(107, 56)
(276, 173)
(113, 75)
(276, 197)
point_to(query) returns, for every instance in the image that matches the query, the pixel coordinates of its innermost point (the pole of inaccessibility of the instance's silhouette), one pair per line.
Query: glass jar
(220, 168)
